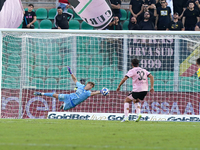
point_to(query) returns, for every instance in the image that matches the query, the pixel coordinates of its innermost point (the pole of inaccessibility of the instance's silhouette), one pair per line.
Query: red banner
(38, 107)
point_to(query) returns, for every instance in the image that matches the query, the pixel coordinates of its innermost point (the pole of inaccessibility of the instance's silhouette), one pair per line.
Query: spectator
(179, 6)
(195, 2)
(61, 19)
(146, 9)
(64, 4)
(135, 7)
(197, 27)
(190, 17)
(146, 24)
(133, 24)
(116, 5)
(115, 24)
(29, 17)
(164, 16)
(176, 25)
(152, 4)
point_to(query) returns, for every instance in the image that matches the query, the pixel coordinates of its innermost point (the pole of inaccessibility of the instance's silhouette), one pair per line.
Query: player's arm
(122, 82)
(73, 77)
(104, 92)
(95, 93)
(152, 83)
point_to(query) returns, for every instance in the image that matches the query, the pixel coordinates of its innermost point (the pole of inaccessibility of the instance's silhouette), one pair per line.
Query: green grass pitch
(49, 134)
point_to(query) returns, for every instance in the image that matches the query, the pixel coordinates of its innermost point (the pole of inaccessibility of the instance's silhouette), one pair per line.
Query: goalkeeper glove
(68, 68)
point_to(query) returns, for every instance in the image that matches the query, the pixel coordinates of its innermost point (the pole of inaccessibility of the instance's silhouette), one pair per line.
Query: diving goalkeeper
(73, 99)
(198, 65)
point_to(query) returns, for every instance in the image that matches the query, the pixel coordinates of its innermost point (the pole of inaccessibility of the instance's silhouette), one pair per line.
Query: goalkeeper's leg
(46, 94)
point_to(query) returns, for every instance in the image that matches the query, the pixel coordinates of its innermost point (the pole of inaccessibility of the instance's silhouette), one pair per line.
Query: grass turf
(52, 134)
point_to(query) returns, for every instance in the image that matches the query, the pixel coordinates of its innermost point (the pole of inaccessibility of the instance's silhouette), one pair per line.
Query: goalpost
(36, 60)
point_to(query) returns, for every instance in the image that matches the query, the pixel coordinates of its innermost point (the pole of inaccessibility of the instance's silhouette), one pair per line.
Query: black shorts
(138, 95)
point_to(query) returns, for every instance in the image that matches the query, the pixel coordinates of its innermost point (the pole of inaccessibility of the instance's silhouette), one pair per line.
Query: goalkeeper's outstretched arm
(104, 92)
(73, 77)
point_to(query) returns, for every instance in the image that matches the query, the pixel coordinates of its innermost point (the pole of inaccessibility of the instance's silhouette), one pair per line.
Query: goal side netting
(34, 61)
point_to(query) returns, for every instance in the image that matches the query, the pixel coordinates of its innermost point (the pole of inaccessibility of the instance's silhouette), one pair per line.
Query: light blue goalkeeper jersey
(73, 99)
(80, 95)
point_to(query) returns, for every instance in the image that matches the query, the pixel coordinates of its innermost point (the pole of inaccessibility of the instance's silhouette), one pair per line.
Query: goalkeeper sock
(137, 106)
(48, 94)
(126, 110)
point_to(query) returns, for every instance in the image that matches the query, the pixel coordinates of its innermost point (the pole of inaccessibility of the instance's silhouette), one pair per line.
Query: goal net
(36, 61)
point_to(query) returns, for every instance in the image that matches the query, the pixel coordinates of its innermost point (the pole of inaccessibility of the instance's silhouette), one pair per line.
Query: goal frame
(104, 32)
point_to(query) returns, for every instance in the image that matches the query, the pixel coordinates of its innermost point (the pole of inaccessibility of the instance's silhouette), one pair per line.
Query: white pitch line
(92, 146)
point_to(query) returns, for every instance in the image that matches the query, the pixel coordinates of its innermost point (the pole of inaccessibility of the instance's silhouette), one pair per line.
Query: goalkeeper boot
(37, 94)
(138, 119)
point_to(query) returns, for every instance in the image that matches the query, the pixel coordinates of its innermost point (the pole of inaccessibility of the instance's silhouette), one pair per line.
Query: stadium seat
(77, 17)
(45, 24)
(196, 86)
(4, 59)
(129, 14)
(107, 73)
(41, 13)
(105, 83)
(70, 11)
(64, 84)
(50, 83)
(81, 72)
(3, 71)
(115, 84)
(85, 26)
(171, 75)
(13, 47)
(162, 75)
(52, 49)
(64, 73)
(52, 13)
(39, 72)
(93, 72)
(39, 47)
(39, 83)
(83, 60)
(159, 85)
(55, 60)
(119, 74)
(36, 24)
(30, 60)
(13, 71)
(29, 72)
(97, 60)
(82, 48)
(67, 60)
(124, 14)
(41, 60)
(14, 59)
(185, 86)
(169, 86)
(74, 24)
(125, 25)
(10, 83)
(53, 72)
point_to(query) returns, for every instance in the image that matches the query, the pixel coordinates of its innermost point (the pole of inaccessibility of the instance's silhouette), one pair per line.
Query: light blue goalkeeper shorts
(68, 104)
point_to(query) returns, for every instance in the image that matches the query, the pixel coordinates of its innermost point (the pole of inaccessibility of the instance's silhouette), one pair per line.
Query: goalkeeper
(198, 65)
(73, 99)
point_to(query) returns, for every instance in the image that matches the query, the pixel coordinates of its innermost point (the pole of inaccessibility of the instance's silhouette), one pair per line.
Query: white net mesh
(37, 62)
